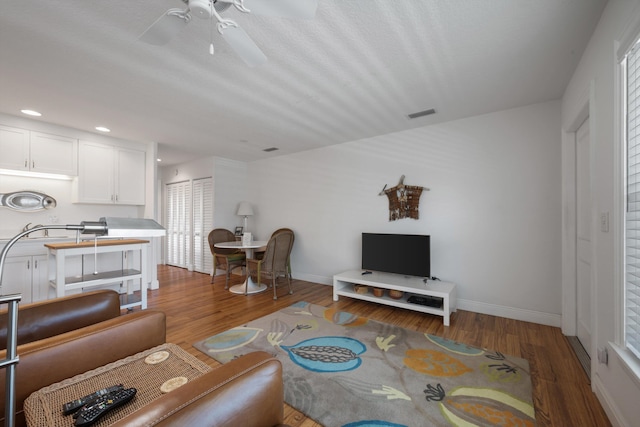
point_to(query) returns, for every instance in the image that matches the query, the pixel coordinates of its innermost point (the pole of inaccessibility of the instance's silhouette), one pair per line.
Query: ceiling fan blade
(304, 9)
(242, 45)
(166, 27)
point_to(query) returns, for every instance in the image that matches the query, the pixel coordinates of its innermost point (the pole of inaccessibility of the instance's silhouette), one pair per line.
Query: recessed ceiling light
(103, 129)
(158, 159)
(31, 113)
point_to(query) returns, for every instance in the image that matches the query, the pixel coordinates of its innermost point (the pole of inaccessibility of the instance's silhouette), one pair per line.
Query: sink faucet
(26, 227)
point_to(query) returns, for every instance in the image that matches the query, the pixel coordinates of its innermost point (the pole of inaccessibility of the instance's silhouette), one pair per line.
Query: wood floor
(562, 396)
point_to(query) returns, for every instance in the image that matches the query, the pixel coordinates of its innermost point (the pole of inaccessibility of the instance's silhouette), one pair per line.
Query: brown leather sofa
(246, 392)
(61, 338)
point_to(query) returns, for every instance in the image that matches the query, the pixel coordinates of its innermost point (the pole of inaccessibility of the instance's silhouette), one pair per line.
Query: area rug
(343, 370)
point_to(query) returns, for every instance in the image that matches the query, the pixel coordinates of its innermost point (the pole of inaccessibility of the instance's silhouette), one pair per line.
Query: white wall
(230, 188)
(594, 85)
(493, 210)
(229, 185)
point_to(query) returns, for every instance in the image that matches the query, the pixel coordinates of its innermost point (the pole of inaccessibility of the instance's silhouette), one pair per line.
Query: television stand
(343, 284)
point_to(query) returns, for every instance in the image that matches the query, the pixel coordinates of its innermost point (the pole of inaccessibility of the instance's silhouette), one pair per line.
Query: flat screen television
(407, 254)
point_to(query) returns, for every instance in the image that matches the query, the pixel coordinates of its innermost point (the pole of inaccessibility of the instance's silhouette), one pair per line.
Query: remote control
(73, 406)
(90, 414)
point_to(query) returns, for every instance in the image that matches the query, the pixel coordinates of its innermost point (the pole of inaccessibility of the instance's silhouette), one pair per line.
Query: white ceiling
(355, 71)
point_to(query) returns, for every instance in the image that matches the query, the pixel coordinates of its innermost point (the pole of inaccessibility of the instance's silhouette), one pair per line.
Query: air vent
(421, 113)
(268, 150)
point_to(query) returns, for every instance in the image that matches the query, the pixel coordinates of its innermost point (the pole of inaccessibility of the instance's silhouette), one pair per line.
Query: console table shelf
(343, 284)
(59, 252)
(103, 278)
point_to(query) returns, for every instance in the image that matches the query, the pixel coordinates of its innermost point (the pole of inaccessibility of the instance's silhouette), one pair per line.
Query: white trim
(595, 229)
(542, 318)
(629, 35)
(617, 218)
(630, 362)
(583, 104)
(608, 403)
(569, 251)
(314, 278)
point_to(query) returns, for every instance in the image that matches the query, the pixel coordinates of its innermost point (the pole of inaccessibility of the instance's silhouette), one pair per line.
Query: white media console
(343, 284)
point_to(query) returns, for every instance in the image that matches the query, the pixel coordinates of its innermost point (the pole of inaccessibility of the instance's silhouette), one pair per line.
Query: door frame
(569, 218)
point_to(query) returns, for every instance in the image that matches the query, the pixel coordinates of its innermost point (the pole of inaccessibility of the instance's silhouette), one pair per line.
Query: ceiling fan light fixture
(173, 20)
(200, 8)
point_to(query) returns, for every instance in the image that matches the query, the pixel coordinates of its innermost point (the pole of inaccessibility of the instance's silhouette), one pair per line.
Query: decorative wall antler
(403, 200)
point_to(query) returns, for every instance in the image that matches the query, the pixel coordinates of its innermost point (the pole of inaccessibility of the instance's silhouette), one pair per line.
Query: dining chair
(259, 253)
(226, 259)
(274, 262)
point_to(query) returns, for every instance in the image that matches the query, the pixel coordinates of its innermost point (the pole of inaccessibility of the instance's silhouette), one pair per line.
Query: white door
(583, 208)
(179, 224)
(202, 224)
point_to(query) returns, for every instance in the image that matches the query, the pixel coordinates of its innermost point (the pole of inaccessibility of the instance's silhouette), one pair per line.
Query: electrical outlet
(603, 355)
(604, 222)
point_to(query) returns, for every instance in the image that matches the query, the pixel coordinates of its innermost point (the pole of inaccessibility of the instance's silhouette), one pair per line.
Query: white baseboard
(525, 315)
(608, 403)
(313, 278)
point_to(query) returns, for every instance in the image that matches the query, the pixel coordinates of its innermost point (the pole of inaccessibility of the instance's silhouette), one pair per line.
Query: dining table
(248, 286)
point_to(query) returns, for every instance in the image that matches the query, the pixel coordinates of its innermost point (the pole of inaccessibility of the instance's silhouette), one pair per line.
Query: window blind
(632, 220)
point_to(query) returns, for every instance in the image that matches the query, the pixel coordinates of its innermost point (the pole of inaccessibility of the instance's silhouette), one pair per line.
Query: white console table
(343, 285)
(62, 283)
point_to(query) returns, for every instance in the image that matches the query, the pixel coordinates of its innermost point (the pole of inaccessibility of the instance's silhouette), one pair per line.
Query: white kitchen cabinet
(14, 146)
(53, 154)
(109, 175)
(30, 151)
(26, 275)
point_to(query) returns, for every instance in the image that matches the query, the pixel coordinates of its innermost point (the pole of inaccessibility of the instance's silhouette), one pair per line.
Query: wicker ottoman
(146, 371)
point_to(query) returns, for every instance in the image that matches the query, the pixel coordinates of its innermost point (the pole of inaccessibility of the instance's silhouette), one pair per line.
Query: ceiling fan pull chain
(211, 50)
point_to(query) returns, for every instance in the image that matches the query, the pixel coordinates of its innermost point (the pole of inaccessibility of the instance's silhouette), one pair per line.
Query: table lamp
(245, 210)
(106, 226)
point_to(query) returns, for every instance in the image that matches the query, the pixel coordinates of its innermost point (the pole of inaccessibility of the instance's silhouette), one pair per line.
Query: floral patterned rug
(343, 370)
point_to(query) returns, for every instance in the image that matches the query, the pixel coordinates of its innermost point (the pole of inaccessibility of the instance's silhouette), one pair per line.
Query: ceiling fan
(174, 20)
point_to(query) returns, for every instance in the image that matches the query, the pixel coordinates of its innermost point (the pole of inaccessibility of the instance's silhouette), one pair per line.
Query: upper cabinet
(109, 174)
(37, 152)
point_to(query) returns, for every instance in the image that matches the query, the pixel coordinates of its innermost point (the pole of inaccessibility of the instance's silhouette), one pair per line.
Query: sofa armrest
(247, 392)
(42, 363)
(45, 319)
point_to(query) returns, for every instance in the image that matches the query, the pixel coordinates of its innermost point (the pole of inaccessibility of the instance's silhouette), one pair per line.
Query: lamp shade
(133, 227)
(245, 209)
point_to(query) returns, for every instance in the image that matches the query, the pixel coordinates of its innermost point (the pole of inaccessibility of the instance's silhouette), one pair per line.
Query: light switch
(604, 222)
